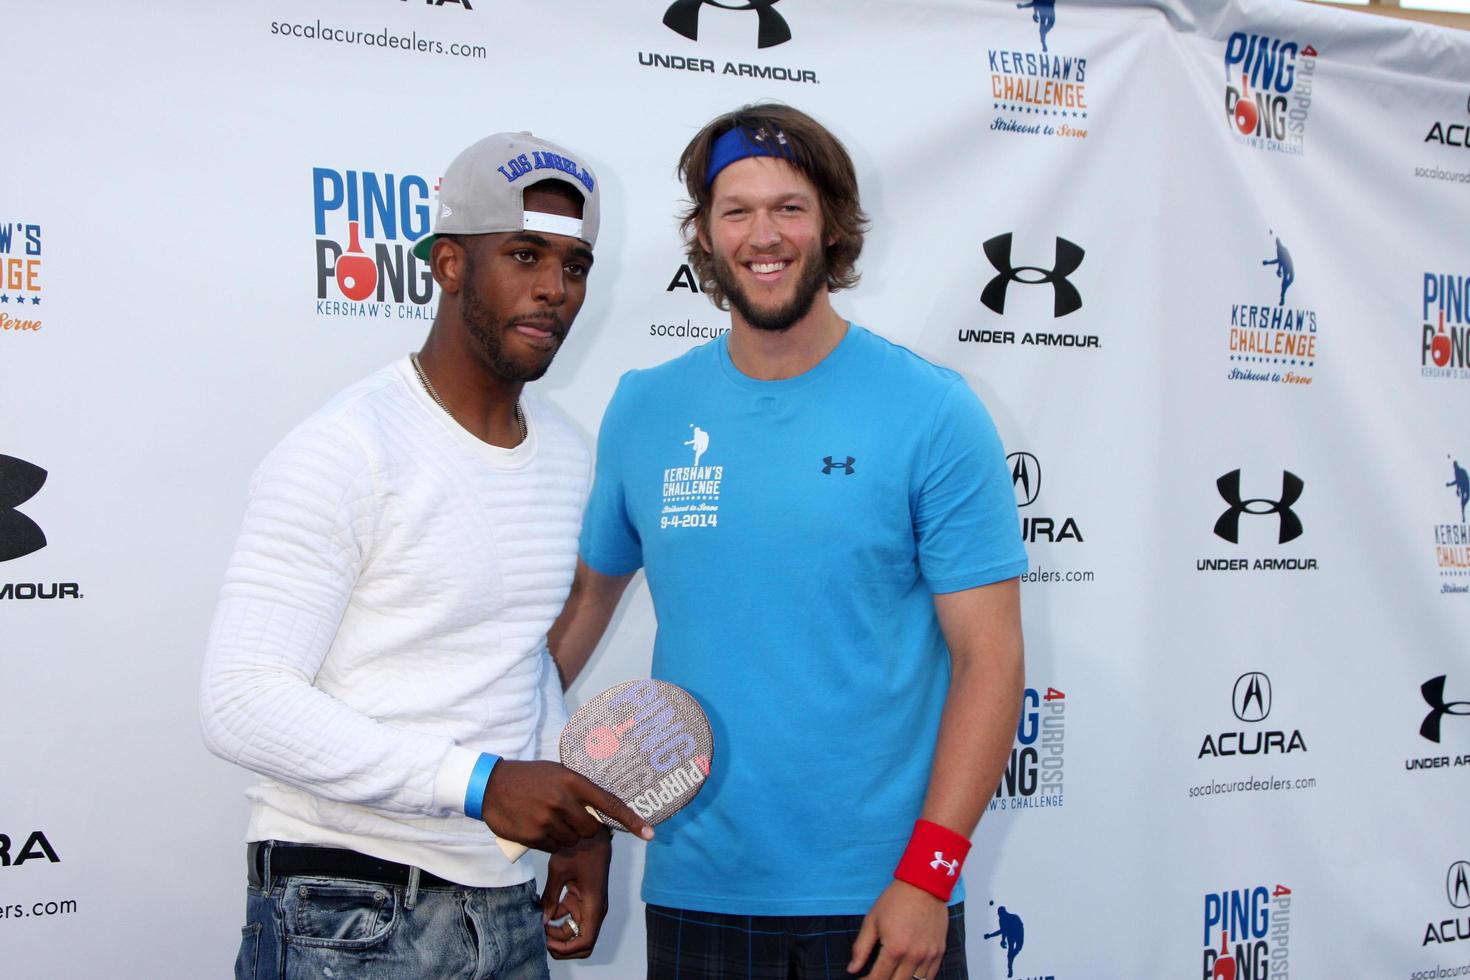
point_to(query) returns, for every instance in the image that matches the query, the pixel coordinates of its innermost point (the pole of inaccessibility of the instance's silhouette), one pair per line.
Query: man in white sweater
(379, 649)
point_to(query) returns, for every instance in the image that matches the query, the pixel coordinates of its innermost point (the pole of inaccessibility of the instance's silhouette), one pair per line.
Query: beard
(782, 317)
(489, 334)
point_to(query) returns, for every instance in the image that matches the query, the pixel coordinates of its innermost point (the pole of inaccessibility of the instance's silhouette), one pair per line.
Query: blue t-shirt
(793, 534)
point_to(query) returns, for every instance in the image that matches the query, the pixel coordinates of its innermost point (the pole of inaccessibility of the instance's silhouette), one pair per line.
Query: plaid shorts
(685, 945)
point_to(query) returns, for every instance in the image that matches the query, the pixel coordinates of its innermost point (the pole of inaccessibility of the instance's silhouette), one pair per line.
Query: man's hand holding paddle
(544, 805)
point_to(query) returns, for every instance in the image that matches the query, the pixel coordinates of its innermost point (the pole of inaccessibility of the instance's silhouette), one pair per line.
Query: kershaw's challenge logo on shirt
(691, 494)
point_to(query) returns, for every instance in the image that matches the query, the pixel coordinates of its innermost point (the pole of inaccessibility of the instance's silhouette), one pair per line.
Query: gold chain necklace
(429, 387)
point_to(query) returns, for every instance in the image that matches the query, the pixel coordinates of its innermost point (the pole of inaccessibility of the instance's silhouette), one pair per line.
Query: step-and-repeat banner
(1205, 261)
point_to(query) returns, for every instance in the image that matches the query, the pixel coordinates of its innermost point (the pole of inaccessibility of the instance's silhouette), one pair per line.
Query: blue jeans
(315, 926)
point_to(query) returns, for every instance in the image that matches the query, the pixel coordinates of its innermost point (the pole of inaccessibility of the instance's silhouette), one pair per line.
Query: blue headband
(737, 144)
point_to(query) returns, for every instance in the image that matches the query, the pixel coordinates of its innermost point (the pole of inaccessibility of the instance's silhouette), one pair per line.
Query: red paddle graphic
(357, 275)
(602, 742)
(1225, 965)
(1245, 110)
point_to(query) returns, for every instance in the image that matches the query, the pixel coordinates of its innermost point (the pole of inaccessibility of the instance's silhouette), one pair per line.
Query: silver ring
(576, 929)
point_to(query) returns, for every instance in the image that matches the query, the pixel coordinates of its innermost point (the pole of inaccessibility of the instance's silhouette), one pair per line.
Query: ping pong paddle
(646, 742)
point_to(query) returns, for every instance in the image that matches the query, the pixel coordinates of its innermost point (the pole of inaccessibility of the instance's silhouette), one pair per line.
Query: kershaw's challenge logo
(1444, 347)
(366, 225)
(1273, 342)
(691, 494)
(1037, 93)
(690, 19)
(20, 535)
(20, 277)
(1247, 933)
(1011, 932)
(1228, 525)
(1452, 540)
(1066, 298)
(1033, 775)
(1268, 91)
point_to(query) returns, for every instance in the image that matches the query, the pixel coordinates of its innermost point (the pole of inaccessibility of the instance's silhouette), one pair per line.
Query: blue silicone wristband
(474, 794)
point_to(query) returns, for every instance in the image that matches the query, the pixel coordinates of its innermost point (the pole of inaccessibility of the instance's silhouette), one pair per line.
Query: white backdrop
(167, 312)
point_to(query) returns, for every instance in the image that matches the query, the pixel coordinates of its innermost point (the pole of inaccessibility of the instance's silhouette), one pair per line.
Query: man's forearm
(975, 737)
(577, 631)
(983, 630)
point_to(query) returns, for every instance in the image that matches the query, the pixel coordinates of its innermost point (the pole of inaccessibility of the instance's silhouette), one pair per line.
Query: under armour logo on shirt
(949, 866)
(830, 466)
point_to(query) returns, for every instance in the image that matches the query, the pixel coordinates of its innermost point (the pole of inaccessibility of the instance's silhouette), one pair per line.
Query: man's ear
(447, 263)
(701, 235)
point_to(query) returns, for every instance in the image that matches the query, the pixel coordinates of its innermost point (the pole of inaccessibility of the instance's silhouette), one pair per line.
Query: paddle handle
(514, 852)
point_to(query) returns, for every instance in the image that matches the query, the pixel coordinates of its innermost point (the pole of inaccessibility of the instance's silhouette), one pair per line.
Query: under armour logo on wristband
(831, 465)
(949, 866)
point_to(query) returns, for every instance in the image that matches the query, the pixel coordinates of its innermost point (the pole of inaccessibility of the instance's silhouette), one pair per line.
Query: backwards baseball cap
(482, 191)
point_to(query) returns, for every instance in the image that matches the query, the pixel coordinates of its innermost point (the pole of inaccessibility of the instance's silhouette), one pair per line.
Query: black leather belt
(333, 862)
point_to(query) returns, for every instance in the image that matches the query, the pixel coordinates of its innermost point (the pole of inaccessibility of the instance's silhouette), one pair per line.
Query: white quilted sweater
(384, 620)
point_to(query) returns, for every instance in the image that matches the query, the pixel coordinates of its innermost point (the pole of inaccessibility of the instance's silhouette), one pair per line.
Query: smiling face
(764, 235)
(520, 291)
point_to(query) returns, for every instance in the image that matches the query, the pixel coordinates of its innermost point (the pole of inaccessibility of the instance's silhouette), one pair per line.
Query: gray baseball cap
(481, 191)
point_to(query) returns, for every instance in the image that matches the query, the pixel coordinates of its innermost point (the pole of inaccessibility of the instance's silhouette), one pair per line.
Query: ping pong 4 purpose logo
(1034, 773)
(366, 224)
(1268, 91)
(1247, 933)
(1444, 337)
(20, 277)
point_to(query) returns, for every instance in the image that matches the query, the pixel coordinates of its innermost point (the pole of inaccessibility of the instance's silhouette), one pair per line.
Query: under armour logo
(1228, 526)
(830, 465)
(682, 17)
(19, 482)
(950, 867)
(1433, 691)
(1066, 299)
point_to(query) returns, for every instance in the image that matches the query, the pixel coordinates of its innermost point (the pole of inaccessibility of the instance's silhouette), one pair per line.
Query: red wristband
(933, 858)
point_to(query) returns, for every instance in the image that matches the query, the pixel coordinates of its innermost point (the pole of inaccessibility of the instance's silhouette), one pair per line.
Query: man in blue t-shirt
(830, 538)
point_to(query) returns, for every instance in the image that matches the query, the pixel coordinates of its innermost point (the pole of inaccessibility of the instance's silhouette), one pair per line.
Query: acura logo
(19, 482)
(1228, 525)
(682, 17)
(1066, 299)
(1025, 477)
(1433, 691)
(1457, 884)
(1252, 696)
